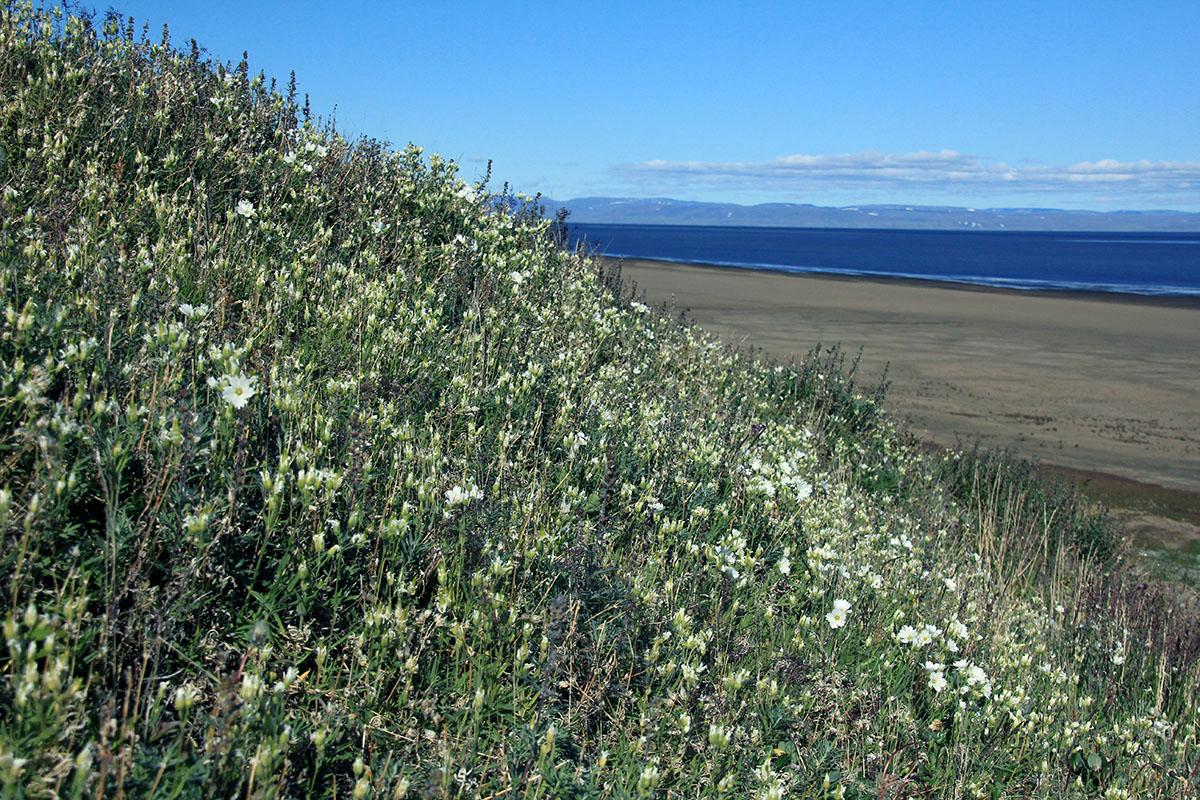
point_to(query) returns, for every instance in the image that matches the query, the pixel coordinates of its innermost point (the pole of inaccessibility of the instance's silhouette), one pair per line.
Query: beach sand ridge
(1103, 383)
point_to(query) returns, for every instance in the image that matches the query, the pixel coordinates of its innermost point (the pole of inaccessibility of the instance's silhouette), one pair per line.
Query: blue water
(1132, 263)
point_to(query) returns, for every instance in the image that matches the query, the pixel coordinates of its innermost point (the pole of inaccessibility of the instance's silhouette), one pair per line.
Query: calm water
(1136, 263)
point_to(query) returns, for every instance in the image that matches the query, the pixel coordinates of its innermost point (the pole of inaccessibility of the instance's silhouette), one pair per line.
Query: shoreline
(1165, 300)
(1095, 382)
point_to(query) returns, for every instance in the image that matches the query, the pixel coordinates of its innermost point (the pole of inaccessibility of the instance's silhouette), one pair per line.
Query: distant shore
(1091, 381)
(1162, 300)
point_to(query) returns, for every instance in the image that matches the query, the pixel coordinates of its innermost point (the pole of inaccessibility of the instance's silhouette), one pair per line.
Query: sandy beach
(1103, 383)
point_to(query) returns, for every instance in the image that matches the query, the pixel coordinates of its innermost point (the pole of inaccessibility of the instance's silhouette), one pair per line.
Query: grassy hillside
(323, 477)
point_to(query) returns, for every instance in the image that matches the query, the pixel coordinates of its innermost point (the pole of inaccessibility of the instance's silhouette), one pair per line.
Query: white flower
(837, 617)
(927, 634)
(575, 441)
(951, 584)
(457, 495)
(245, 209)
(785, 565)
(907, 635)
(238, 389)
(648, 780)
(641, 308)
(718, 736)
(1118, 655)
(290, 158)
(937, 681)
(466, 193)
(192, 312)
(185, 697)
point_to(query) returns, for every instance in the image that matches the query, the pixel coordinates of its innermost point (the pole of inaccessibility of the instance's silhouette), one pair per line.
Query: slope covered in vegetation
(324, 474)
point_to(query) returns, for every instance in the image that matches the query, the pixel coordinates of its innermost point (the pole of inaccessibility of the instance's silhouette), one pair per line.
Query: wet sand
(1091, 381)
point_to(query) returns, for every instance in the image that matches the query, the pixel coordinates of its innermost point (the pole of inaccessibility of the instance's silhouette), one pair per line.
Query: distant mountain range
(664, 211)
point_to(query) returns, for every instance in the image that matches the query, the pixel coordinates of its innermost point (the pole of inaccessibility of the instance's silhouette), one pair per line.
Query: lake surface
(1131, 263)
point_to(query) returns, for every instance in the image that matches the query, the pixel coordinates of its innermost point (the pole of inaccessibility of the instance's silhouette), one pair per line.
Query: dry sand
(1107, 383)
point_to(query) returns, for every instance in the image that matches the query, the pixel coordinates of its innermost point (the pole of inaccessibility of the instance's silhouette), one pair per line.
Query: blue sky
(989, 104)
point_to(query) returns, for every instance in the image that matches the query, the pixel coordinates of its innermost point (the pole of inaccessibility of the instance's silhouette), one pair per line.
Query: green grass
(327, 474)
(1116, 492)
(1168, 551)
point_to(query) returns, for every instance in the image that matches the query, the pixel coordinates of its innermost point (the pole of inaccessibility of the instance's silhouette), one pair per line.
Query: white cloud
(924, 173)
